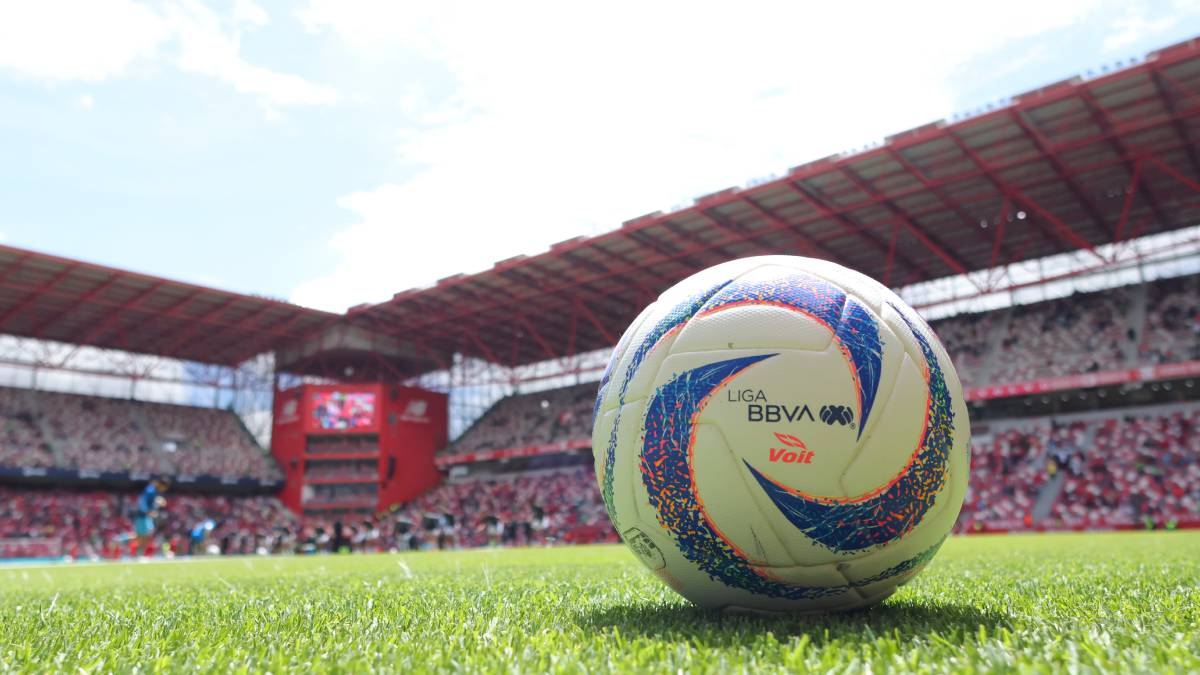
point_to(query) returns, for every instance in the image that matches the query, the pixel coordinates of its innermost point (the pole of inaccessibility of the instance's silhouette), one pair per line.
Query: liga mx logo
(837, 414)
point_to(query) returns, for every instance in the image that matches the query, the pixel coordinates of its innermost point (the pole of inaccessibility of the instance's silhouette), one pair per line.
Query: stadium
(423, 466)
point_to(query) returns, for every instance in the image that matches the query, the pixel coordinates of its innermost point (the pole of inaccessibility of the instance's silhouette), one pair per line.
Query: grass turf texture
(1109, 602)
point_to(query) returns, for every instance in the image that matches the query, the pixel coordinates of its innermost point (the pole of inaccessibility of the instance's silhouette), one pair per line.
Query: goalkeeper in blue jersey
(149, 503)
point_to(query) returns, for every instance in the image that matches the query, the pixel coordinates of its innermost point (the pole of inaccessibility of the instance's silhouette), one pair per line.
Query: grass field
(1109, 602)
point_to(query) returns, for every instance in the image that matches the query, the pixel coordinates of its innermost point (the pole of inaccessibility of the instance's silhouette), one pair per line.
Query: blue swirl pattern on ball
(852, 325)
(882, 516)
(673, 319)
(666, 466)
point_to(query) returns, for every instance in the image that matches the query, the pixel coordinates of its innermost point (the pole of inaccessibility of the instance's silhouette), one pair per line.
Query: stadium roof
(51, 298)
(1067, 167)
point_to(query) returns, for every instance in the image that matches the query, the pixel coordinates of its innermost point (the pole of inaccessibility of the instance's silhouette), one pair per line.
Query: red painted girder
(807, 243)
(35, 294)
(1176, 174)
(949, 129)
(848, 225)
(1068, 235)
(955, 205)
(134, 305)
(1102, 118)
(1067, 177)
(240, 350)
(39, 330)
(99, 327)
(186, 330)
(1127, 204)
(524, 321)
(587, 314)
(930, 243)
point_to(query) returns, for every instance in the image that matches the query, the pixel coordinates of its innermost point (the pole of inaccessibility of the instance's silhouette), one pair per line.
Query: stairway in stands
(1053, 487)
(1137, 317)
(31, 403)
(998, 331)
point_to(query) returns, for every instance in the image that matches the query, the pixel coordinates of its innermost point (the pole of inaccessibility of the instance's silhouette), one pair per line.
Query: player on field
(149, 503)
(198, 534)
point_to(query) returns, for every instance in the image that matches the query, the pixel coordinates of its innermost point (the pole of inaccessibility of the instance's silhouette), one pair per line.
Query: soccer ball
(781, 434)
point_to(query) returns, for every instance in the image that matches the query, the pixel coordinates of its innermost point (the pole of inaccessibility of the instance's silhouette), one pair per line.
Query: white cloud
(90, 41)
(566, 120)
(85, 101)
(208, 47)
(97, 40)
(1134, 25)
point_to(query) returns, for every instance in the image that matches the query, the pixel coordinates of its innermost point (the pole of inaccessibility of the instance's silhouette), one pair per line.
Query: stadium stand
(1122, 468)
(22, 442)
(514, 509)
(1141, 468)
(1172, 330)
(1081, 333)
(1125, 468)
(70, 431)
(94, 524)
(1113, 469)
(539, 418)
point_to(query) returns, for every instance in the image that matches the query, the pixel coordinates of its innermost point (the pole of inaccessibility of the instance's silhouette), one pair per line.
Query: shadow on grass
(909, 619)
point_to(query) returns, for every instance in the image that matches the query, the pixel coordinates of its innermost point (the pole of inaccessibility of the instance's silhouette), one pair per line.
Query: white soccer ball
(781, 434)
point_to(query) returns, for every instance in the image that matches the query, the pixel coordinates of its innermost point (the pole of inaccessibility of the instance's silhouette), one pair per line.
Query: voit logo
(793, 452)
(416, 411)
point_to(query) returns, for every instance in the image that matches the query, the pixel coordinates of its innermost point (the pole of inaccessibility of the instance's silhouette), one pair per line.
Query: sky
(335, 152)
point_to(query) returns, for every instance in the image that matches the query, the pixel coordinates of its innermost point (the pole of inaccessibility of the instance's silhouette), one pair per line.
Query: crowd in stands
(192, 431)
(1172, 322)
(540, 418)
(966, 339)
(88, 433)
(1078, 334)
(517, 509)
(97, 524)
(1006, 476)
(1130, 469)
(21, 441)
(1139, 469)
(1082, 333)
(561, 506)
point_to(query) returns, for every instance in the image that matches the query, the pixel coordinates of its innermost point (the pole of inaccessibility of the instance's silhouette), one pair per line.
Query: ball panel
(751, 327)
(614, 359)
(836, 596)
(619, 488)
(732, 512)
(895, 432)
(865, 289)
(601, 432)
(621, 363)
